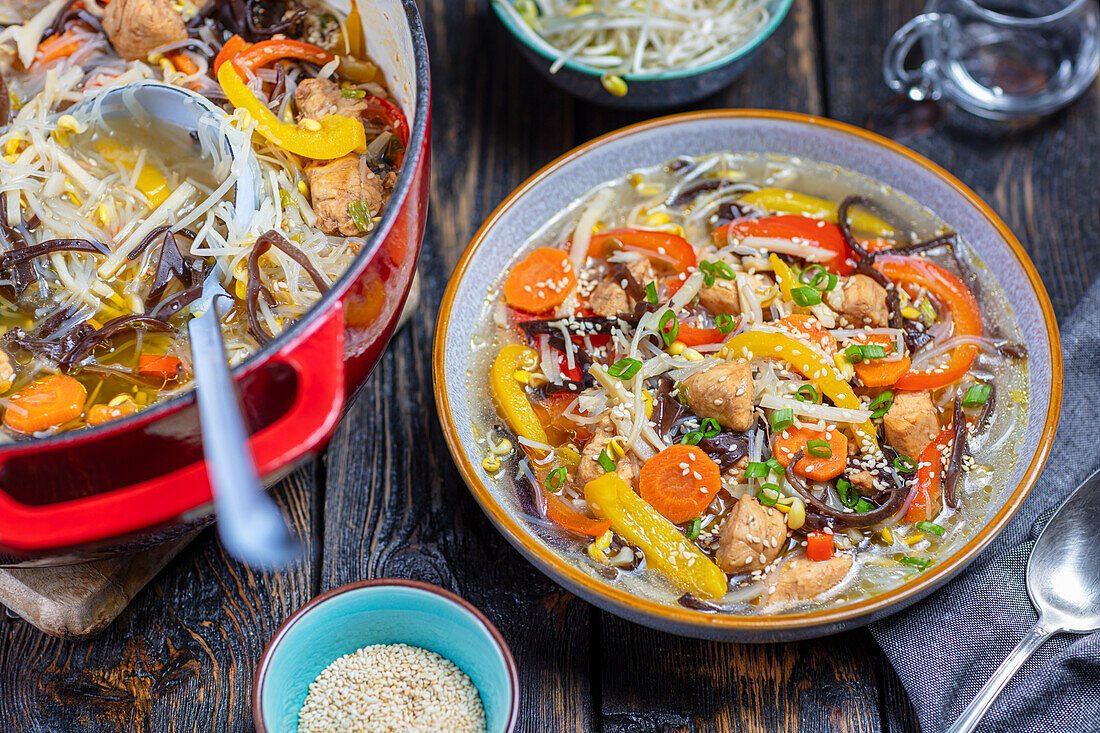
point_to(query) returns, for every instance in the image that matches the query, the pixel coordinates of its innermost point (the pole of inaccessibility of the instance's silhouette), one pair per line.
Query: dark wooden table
(386, 500)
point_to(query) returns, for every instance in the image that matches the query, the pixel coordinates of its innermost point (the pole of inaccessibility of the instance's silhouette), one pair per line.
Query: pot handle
(317, 358)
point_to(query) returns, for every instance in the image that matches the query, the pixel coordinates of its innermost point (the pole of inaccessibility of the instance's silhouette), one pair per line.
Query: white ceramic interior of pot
(650, 146)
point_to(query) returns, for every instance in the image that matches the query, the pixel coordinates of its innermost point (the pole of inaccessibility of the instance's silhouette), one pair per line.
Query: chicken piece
(590, 468)
(723, 392)
(609, 299)
(801, 579)
(721, 298)
(317, 98)
(911, 423)
(863, 482)
(335, 185)
(863, 302)
(751, 537)
(138, 27)
(735, 474)
(7, 372)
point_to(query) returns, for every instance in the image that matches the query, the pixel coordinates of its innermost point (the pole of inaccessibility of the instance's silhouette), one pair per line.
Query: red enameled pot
(143, 480)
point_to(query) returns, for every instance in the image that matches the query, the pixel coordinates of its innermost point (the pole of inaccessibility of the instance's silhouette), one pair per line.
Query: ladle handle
(979, 706)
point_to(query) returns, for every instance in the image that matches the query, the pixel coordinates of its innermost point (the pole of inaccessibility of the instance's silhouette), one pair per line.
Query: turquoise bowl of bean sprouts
(641, 54)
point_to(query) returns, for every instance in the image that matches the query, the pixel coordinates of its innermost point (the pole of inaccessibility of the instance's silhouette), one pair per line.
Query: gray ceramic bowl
(781, 133)
(655, 90)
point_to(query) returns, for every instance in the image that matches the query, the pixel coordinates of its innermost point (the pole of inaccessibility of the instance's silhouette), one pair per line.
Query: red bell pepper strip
(694, 336)
(814, 232)
(925, 504)
(232, 47)
(952, 292)
(265, 52)
(390, 114)
(164, 367)
(671, 249)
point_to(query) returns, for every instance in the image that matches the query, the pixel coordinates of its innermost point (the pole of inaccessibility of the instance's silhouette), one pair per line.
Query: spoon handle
(979, 706)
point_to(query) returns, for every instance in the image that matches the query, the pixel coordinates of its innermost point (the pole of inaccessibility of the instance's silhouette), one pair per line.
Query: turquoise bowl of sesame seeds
(385, 646)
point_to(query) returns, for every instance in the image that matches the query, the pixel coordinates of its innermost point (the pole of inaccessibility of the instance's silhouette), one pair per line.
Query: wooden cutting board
(79, 601)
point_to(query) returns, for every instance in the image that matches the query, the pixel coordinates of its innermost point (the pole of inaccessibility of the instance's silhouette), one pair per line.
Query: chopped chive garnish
(724, 271)
(624, 368)
(691, 438)
(693, 528)
(806, 296)
(769, 494)
(774, 465)
(605, 461)
(881, 404)
(710, 427)
(669, 327)
(725, 324)
(756, 469)
(916, 562)
(905, 464)
(651, 293)
(819, 448)
(977, 395)
(848, 497)
(858, 352)
(931, 527)
(863, 506)
(782, 419)
(806, 393)
(556, 480)
(818, 278)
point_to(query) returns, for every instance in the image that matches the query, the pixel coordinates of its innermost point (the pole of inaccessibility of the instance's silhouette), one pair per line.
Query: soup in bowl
(747, 388)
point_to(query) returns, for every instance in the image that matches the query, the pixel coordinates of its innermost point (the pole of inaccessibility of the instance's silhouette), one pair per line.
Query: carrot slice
(810, 330)
(164, 367)
(679, 482)
(813, 466)
(57, 46)
(880, 372)
(46, 403)
(100, 414)
(183, 63)
(819, 546)
(541, 281)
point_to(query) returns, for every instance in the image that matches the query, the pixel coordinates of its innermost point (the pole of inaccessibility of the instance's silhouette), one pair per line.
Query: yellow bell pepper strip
(150, 181)
(334, 137)
(784, 274)
(792, 202)
(811, 366)
(509, 396)
(665, 546)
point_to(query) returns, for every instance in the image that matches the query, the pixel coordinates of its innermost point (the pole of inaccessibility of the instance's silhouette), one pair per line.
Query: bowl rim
(678, 618)
(381, 583)
(529, 37)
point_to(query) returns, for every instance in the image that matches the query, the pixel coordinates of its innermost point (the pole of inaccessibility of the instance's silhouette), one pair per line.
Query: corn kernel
(676, 348)
(914, 539)
(796, 517)
(691, 354)
(491, 463)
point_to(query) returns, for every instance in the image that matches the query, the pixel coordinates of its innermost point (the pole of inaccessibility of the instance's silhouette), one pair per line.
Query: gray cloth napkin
(946, 647)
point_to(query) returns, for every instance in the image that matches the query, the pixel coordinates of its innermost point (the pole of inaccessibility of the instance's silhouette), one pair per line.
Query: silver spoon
(1063, 581)
(250, 525)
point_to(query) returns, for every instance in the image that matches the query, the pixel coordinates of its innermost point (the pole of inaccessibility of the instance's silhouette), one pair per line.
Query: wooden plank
(180, 658)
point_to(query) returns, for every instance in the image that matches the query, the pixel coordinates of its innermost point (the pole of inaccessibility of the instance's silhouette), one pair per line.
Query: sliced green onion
(818, 278)
(977, 395)
(756, 469)
(359, 211)
(931, 527)
(605, 461)
(651, 293)
(927, 311)
(905, 464)
(819, 448)
(691, 438)
(848, 496)
(782, 419)
(556, 480)
(708, 273)
(806, 297)
(693, 528)
(769, 494)
(774, 465)
(669, 327)
(881, 404)
(710, 427)
(722, 270)
(624, 368)
(863, 506)
(352, 93)
(724, 323)
(916, 562)
(858, 352)
(806, 393)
